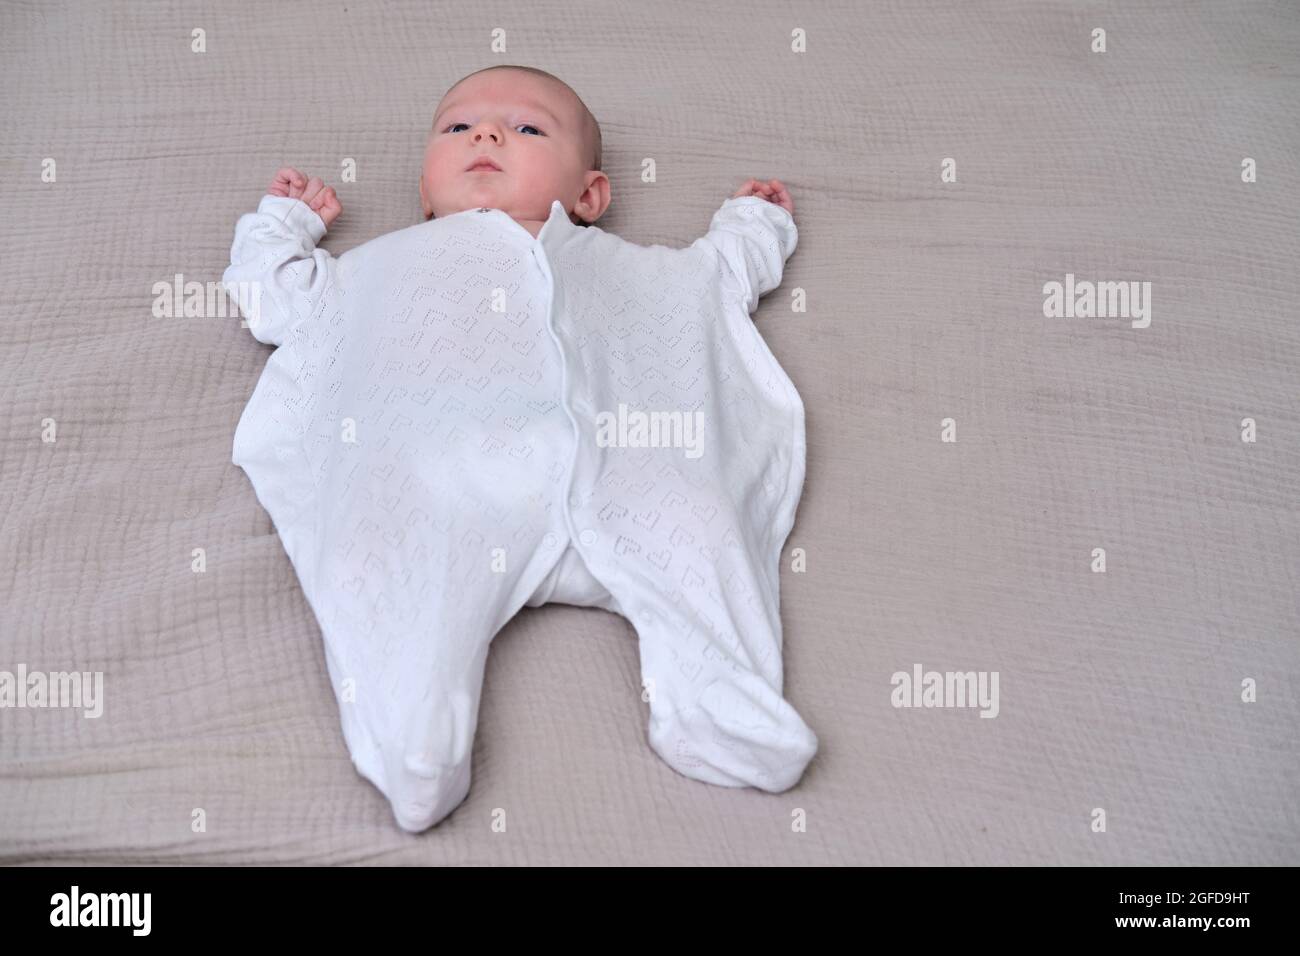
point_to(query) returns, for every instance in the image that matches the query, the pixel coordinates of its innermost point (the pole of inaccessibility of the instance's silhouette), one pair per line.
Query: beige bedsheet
(1119, 691)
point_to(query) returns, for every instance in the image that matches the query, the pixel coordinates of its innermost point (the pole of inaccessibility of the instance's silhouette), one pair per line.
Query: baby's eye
(521, 126)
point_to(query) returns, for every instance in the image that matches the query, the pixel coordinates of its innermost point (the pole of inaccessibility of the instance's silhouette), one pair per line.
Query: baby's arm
(755, 239)
(276, 273)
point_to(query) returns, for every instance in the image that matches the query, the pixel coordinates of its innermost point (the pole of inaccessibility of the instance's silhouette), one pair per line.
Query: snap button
(588, 537)
(575, 502)
(482, 209)
(550, 540)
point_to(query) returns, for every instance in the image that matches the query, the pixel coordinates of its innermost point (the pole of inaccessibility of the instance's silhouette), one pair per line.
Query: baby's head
(538, 132)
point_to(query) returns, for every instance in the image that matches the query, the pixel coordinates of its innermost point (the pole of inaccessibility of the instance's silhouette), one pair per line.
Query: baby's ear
(594, 199)
(424, 201)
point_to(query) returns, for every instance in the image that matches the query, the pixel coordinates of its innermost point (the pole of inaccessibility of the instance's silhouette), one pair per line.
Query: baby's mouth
(483, 165)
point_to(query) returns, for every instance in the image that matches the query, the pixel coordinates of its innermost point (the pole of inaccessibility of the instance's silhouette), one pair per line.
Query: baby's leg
(407, 619)
(408, 702)
(712, 672)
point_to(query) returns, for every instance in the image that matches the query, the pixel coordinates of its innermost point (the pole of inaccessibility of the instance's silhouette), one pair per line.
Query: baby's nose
(480, 133)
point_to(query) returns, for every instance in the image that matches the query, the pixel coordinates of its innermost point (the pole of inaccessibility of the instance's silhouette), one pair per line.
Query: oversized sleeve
(276, 274)
(754, 238)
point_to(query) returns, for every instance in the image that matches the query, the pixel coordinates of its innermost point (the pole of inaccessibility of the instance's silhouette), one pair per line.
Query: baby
(505, 406)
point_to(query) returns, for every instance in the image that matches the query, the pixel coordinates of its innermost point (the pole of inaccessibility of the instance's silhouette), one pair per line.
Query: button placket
(586, 537)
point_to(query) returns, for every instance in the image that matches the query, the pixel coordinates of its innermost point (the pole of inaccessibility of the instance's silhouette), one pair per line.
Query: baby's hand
(772, 190)
(322, 200)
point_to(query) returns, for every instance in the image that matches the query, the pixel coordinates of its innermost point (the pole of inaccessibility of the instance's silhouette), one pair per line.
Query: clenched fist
(321, 198)
(772, 190)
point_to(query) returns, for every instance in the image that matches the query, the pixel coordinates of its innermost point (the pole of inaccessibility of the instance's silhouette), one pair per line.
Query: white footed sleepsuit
(425, 438)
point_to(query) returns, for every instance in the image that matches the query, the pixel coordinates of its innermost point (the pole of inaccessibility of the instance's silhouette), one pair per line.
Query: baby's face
(529, 127)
